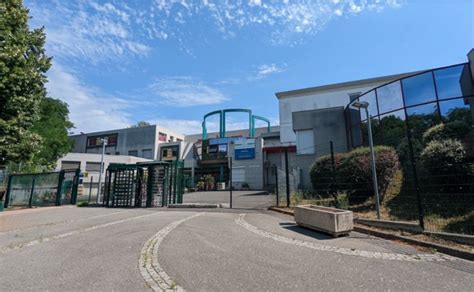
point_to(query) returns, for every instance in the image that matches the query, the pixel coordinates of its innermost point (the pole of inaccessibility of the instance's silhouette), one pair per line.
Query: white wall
(311, 101)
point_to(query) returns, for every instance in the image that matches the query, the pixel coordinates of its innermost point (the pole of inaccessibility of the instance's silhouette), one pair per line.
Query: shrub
(353, 174)
(356, 171)
(83, 204)
(445, 157)
(321, 174)
(452, 130)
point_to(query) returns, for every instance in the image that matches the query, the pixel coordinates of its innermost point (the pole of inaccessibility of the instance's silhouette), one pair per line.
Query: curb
(281, 211)
(440, 248)
(193, 205)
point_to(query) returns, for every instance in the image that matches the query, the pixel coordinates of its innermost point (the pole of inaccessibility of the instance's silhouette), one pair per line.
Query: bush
(354, 173)
(445, 157)
(321, 174)
(83, 204)
(452, 130)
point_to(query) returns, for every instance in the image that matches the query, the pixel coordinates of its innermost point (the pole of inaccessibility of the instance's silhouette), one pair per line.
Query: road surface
(70, 248)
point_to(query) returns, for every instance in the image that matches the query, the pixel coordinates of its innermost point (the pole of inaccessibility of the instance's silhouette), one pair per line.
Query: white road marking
(62, 222)
(346, 251)
(150, 268)
(70, 233)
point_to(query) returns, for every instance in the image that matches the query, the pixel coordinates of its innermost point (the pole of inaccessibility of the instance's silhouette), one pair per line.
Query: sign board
(244, 149)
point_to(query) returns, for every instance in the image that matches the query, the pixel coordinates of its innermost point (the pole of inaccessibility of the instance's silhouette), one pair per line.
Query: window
(147, 153)
(92, 166)
(456, 109)
(67, 165)
(305, 142)
(162, 137)
(420, 118)
(133, 152)
(117, 153)
(370, 98)
(96, 141)
(390, 97)
(453, 82)
(171, 139)
(419, 89)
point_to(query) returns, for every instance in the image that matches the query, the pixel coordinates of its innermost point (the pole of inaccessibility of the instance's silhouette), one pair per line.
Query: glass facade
(413, 103)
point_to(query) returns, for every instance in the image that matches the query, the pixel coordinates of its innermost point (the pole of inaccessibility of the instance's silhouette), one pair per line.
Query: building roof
(340, 85)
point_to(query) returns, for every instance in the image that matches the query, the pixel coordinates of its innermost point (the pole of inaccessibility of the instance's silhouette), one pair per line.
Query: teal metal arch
(222, 121)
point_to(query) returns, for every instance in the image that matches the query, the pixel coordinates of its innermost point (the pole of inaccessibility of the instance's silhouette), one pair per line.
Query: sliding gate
(154, 184)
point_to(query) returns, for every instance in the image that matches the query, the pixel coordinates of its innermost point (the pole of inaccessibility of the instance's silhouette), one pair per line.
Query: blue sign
(241, 154)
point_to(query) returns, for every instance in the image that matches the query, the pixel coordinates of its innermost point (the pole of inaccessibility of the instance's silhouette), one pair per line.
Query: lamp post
(365, 105)
(104, 143)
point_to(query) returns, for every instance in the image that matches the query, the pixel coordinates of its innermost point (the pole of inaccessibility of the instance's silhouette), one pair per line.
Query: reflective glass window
(370, 98)
(456, 109)
(393, 129)
(419, 89)
(420, 118)
(453, 82)
(390, 97)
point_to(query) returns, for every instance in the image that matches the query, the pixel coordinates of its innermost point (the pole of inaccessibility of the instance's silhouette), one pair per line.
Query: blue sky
(171, 61)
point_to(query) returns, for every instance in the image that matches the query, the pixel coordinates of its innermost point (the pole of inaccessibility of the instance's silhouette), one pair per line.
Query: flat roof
(340, 85)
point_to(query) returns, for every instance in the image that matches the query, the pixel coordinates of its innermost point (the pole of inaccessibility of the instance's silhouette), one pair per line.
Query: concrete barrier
(328, 220)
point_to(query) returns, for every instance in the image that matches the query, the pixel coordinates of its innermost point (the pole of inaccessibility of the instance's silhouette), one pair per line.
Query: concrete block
(328, 220)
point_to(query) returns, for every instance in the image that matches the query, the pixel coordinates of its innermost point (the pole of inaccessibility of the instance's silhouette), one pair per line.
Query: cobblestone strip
(346, 251)
(150, 269)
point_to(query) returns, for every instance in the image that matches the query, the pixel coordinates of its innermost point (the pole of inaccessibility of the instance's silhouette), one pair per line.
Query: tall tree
(23, 64)
(52, 127)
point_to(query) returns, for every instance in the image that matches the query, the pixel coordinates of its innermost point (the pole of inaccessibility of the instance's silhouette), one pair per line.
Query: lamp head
(360, 104)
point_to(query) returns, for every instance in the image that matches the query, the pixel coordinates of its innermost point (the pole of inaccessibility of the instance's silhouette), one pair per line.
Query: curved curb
(151, 271)
(346, 251)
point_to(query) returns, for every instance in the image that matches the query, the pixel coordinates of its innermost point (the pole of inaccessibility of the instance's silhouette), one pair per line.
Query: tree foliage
(140, 124)
(52, 127)
(23, 64)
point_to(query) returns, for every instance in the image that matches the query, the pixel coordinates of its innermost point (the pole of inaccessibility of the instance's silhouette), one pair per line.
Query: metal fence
(435, 192)
(42, 189)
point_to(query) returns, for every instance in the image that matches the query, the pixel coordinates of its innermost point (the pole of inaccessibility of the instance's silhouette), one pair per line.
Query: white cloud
(185, 92)
(268, 69)
(89, 109)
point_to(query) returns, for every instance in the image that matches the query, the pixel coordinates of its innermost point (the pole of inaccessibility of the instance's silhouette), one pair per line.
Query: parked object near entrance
(333, 221)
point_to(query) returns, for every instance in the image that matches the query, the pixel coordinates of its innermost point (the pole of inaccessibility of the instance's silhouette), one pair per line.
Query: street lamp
(365, 105)
(104, 143)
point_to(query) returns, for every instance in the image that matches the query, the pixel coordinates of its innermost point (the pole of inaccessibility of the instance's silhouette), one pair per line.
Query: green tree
(140, 124)
(23, 64)
(52, 127)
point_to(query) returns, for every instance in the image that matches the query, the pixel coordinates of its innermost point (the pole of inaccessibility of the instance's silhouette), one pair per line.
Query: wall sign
(244, 149)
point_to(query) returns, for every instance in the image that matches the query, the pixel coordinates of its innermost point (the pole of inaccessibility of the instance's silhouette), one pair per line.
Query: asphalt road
(69, 248)
(240, 199)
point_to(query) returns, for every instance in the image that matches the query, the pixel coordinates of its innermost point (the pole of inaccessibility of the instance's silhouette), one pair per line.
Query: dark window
(117, 153)
(419, 89)
(133, 152)
(390, 97)
(356, 136)
(453, 82)
(96, 141)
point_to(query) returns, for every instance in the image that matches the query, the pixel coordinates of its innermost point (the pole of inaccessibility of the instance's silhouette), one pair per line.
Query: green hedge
(353, 173)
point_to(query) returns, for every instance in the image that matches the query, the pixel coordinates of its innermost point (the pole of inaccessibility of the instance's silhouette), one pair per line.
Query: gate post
(9, 189)
(30, 201)
(75, 185)
(59, 190)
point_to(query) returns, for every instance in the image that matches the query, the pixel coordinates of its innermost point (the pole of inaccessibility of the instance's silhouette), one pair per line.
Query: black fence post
(333, 170)
(421, 216)
(30, 202)
(287, 178)
(90, 188)
(59, 190)
(9, 189)
(276, 186)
